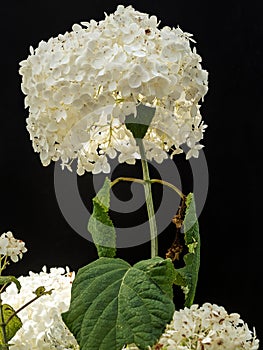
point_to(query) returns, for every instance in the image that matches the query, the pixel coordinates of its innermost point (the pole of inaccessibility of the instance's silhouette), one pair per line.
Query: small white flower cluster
(11, 247)
(43, 328)
(208, 327)
(80, 87)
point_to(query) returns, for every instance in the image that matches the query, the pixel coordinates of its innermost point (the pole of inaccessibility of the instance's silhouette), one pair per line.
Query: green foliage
(114, 303)
(187, 276)
(100, 225)
(139, 125)
(155, 269)
(40, 291)
(12, 326)
(10, 279)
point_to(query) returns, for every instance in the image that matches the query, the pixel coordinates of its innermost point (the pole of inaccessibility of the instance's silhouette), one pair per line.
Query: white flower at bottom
(43, 328)
(208, 327)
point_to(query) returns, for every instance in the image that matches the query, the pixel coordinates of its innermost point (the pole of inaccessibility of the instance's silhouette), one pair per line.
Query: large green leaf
(139, 125)
(187, 276)
(100, 225)
(13, 326)
(114, 303)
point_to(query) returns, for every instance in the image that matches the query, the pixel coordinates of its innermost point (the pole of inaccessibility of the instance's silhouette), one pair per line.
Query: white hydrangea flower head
(208, 327)
(81, 85)
(43, 327)
(11, 247)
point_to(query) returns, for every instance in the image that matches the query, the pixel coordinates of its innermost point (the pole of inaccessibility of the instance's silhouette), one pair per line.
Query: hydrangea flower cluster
(208, 327)
(11, 247)
(43, 328)
(81, 85)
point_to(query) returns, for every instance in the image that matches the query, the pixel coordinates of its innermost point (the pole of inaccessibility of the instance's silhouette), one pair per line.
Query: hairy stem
(149, 201)
(128, 179)
(168, 184)
(152, 181)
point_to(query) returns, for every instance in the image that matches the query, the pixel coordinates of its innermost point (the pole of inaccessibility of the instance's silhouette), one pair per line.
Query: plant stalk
(152, 181)
(149, 200)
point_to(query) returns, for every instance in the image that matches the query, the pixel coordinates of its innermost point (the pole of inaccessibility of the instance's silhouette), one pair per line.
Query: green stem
(3, 264)
(128, 179)
(168, 184)
(152, 181)
(149, 201)
(20, 309)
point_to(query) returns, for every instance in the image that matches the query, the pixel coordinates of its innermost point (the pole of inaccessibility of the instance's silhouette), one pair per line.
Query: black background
(229, 39)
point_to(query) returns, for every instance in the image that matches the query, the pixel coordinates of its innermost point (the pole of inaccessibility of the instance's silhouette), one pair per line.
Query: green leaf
(9, 279)
(187, 276)
(100, 225)
(40, 291)
(13, 325)
(139, 125)
(113, 303)
(155, 268)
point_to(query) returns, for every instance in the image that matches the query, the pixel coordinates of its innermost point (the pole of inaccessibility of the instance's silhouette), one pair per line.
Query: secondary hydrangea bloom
(81, 85)
(43, 328)
(11, 247)
(208, 327)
